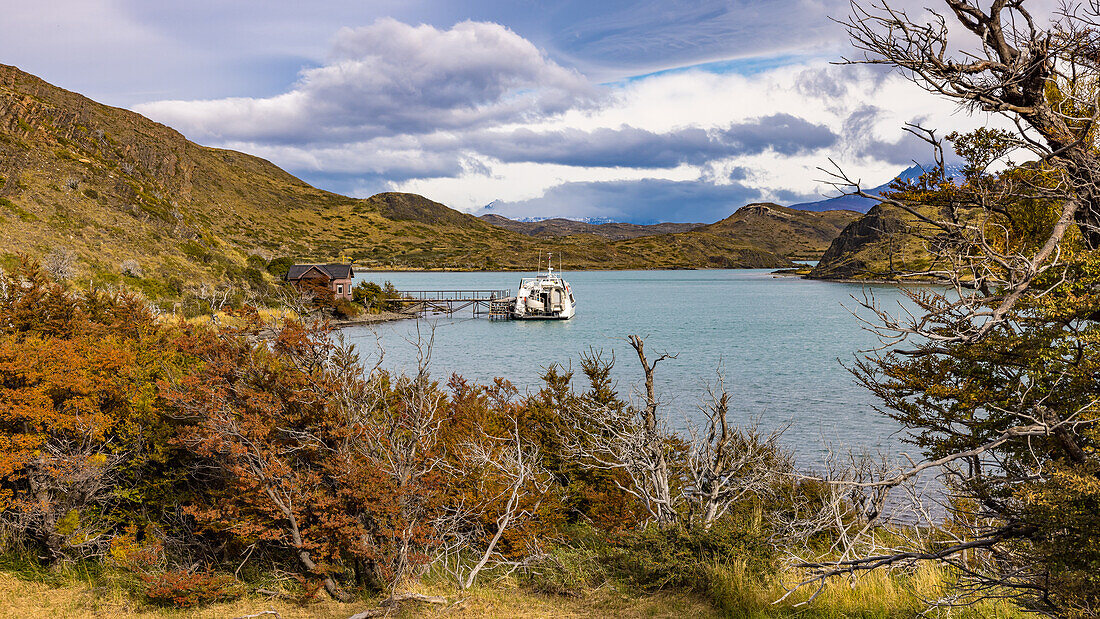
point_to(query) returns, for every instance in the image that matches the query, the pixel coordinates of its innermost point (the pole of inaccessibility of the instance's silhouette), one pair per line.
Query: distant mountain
(489, 211)
(557, 226)
(780, 230)
(861, 204)
(583, 220)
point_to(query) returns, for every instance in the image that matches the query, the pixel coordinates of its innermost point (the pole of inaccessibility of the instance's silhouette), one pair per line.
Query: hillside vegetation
(785, 231)
(115, 189)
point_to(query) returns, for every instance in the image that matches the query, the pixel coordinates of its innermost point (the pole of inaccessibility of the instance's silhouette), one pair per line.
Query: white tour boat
(544, 297)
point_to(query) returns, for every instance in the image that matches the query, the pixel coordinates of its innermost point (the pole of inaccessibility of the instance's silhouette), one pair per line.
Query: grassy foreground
(77, 594)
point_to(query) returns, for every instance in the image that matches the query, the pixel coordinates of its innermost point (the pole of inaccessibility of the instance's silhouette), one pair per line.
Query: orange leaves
(62, 386)
(72, 366)
(183, 589)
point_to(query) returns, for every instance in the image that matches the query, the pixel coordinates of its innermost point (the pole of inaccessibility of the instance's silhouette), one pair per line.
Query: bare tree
(512, 465)
(400, 436)
(967, 370)
(1008, 66)
(633, 441)
(215, 299)
(1043, 80)
(728, 464)
(60, 264)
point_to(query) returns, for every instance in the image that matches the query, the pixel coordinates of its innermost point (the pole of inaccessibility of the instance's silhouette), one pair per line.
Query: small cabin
(334, 277)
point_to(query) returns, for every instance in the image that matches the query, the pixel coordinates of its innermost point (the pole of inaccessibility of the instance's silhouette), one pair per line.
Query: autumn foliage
(181, 453)
(79, 418)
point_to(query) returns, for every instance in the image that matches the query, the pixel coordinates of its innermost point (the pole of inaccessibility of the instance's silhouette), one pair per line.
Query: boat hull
(529, 317)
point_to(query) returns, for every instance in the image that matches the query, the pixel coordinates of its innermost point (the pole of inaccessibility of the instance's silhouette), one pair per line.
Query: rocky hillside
(136, 203)
(115, 187)
(879, 245)
(777, 229)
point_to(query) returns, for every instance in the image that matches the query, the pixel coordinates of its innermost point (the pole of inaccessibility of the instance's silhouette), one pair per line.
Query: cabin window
(339, 289)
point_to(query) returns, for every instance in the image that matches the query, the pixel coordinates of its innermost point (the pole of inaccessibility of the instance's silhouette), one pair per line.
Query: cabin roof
(331, 271)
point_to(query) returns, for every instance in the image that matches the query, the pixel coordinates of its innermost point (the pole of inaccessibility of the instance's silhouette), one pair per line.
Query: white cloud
(391, 78)
(476, 113)
(871, 146)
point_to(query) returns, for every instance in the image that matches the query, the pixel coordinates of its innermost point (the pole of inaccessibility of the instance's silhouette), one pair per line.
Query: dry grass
(78, 600)
(275, 317)
(885, 594)
(879, 594)
(22, 599)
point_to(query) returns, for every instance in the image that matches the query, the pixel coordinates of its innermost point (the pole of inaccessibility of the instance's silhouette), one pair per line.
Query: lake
(779, 341)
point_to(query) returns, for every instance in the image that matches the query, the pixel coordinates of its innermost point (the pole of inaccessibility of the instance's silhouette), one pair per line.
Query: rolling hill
(781, 230)
(791, 232)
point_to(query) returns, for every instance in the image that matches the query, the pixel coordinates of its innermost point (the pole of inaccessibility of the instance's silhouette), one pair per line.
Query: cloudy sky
(645, 110)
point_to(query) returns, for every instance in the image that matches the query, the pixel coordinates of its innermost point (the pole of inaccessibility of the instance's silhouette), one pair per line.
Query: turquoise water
(779, 341)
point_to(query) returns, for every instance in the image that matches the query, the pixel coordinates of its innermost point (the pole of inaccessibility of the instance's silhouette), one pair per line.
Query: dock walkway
(448, 302)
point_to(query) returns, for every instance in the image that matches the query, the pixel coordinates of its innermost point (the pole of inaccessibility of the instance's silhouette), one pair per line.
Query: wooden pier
(501, 309)
(422, 302)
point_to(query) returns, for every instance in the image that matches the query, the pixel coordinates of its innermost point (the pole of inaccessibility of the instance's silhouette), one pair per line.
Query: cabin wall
(341, 288)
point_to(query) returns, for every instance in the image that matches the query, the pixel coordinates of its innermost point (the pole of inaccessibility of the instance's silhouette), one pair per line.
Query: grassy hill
(115, 188)
(790, 232)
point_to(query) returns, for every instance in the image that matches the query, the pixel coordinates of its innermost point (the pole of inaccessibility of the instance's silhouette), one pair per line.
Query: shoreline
(370, 319)
(879, 282)
(802, 274)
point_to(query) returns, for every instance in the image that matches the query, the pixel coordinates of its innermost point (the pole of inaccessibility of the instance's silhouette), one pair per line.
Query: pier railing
(449, 301)
(452, 295)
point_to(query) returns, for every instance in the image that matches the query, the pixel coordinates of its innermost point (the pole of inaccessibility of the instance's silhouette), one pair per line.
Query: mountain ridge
(115, 188)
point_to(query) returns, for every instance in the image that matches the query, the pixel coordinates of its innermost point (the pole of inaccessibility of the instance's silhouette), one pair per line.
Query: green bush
(342, 308)
(22, 213)
(257, 262)
(279, 266)
(255, 279)
(684, 558)
(567, 571)
(374, 297)
(195, 251)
